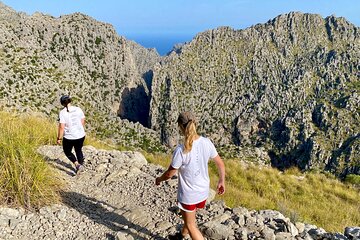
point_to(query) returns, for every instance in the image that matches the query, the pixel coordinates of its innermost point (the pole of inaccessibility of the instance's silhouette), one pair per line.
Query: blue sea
(163, 43)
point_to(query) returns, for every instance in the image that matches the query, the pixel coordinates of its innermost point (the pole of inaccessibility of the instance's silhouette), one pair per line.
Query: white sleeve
(61, 117)
(82, 113)
(177, 158)
(212, 150)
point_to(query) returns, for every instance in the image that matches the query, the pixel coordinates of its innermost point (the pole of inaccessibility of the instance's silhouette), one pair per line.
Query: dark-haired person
(191, 161)
(71, 131)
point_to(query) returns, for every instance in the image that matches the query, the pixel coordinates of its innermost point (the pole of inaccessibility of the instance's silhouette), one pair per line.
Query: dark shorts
(191, 207)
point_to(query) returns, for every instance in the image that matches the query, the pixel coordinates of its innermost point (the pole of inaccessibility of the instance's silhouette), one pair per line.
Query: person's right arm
(176, 162)
(60, 134)
(169, 173)
(221, 170)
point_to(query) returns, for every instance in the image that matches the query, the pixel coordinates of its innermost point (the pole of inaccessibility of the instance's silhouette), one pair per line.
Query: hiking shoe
(79, 168)
(176, 236)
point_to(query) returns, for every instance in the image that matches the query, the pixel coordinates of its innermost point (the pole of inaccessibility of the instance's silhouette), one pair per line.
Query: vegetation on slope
(307, 197)
(310, 197)
(25, 178)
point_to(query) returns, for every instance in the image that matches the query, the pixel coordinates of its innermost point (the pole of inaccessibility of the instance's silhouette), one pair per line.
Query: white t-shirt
(72, 120)
(194, 182)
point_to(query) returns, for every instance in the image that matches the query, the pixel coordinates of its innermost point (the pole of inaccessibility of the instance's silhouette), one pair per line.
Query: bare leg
(190, 225)
(185, 230)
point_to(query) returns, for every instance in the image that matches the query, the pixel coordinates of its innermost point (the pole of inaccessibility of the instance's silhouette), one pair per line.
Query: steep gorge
(42, 57)
(285, 92)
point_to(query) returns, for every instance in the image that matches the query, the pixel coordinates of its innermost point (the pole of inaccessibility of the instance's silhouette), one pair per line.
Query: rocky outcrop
(42, 57)
(285, 92)
(145, 60)
(135, 102)
(116, 198)
(287, 89)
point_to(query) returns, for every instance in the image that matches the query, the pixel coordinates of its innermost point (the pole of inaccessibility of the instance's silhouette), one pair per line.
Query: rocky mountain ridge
(284, 93)
(116, 198)
(42, 57)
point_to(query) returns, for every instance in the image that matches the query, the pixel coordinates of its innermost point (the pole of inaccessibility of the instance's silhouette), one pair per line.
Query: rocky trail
(115, 198)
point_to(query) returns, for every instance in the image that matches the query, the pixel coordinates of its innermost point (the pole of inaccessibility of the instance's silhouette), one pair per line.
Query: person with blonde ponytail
(190, 160)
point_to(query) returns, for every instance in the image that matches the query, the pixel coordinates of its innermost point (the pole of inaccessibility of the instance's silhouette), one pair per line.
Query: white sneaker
(79, 169)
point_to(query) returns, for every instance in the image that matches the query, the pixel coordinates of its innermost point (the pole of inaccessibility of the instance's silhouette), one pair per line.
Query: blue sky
(180, 20)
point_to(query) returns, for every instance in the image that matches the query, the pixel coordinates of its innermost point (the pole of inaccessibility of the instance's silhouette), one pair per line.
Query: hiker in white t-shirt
(71, 132)
(191, 161)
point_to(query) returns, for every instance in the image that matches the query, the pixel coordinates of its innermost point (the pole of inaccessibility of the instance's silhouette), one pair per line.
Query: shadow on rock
(61, 165)
(135, 105)
(107, 215)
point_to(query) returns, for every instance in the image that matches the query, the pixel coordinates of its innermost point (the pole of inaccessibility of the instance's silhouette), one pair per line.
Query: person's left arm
(82, 115)
(220, 166)
(221, 169)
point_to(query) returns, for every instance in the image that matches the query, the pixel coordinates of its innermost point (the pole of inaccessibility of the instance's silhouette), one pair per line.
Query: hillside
(42, 57)
(116, 198)
(106, 196)
(285, 92)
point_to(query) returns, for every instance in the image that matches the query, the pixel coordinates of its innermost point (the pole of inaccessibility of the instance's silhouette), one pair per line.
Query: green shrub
(98, 40)
(353, 179)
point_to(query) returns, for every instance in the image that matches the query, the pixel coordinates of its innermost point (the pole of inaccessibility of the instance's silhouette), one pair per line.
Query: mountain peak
(7, 13)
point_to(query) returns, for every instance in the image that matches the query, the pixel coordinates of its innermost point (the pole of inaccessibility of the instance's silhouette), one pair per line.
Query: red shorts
(192, 207)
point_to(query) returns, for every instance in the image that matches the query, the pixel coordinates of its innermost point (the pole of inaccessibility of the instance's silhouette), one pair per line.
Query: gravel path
(115, 198)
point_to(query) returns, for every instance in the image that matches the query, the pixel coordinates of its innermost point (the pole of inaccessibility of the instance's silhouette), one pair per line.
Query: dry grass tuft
(25, 178)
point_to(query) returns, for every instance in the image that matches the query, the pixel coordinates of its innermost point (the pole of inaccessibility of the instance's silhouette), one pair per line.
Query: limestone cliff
(42, 57)
(286, 91)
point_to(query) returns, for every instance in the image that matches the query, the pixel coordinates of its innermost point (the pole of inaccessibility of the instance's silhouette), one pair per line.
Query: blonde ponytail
(190, 135)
